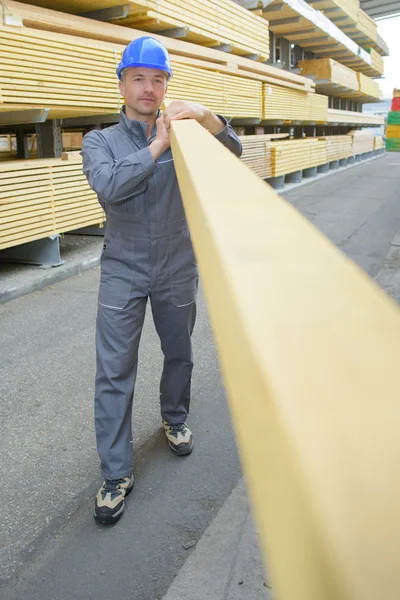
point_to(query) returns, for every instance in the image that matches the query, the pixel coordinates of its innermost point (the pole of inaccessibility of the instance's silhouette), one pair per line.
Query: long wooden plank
(306, 342)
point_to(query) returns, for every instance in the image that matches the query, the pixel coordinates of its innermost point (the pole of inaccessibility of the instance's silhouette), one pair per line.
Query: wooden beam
(309, 347)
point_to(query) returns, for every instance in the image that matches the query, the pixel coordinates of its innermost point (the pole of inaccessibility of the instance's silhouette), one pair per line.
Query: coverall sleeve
(228, 138)
(114, 181)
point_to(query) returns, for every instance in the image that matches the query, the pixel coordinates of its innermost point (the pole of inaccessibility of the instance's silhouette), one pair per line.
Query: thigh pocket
(182, 269)
(116, 273)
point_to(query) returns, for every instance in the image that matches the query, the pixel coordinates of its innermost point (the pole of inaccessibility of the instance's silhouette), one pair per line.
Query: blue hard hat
(145, 52)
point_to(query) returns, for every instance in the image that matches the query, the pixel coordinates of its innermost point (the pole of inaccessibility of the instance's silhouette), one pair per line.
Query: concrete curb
(227, 563)
(40, 279)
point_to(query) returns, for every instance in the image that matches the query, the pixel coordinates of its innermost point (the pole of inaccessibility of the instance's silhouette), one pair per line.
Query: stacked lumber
(70, 76)
(330, 76)
(362, 141)
(56, 76)
(368, 87)
(393, 145)
(210, 22)
(54, 21)
(377, 66)
(295, 155)
(367, 26)
(43, 197)
(289, 105)
(257, 154)
(338, 147)
(393, 124)
(225, 94)
(378, 142)
(348, 117)
(393, 131)
(345, 11)
(395, 104)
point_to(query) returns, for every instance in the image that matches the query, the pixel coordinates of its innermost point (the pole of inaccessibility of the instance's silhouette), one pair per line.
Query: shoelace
(177, 427)
(112, 485)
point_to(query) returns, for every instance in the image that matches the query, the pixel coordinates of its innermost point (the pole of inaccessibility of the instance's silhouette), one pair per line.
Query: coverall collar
(133, 126)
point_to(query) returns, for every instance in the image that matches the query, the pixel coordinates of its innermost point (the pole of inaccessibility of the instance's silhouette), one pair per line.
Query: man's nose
(148, 86)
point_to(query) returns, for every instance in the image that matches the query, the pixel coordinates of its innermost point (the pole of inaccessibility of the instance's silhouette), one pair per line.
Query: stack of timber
(393, 124)
(288, 105)
(44, 197)
(362, 141)
(353, 21)
(348, 117)
(257, 154)
(338, 147)
(335, 79)
(295, 155)
(378, 142)
(33, 77)
(209, 22)
(368, 87)
(43, 19)
(330, 76)
(314, 31)
(396, 100)
(70, 76)
(367, 26)
(225, 94)
(376, 68)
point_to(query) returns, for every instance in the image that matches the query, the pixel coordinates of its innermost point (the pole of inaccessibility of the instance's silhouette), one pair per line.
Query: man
(147, 254)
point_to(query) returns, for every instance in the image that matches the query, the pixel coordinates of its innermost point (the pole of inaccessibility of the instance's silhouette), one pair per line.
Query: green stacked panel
(394, 118)
(393, 145)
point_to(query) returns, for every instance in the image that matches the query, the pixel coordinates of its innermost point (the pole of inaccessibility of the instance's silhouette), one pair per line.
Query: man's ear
(121, 85)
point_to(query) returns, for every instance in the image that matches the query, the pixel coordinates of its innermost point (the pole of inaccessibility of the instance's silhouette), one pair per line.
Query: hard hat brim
(144, 66)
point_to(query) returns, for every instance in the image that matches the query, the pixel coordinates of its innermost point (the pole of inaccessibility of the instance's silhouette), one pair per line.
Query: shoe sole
(111, 519)
(180, 451)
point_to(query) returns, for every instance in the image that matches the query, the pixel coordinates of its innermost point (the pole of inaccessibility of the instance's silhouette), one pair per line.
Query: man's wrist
(213, 123)
(157, 148)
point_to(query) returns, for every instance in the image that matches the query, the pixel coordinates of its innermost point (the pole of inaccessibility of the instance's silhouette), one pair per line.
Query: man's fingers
(185, 114)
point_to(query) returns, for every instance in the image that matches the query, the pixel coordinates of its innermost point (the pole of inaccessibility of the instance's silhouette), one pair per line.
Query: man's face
(143, 89)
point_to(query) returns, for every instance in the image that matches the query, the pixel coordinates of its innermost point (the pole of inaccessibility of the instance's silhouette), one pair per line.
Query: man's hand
(189, 110)
(161, 141)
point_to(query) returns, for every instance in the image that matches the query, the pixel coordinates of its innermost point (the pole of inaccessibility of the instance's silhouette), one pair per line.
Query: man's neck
(148, 119)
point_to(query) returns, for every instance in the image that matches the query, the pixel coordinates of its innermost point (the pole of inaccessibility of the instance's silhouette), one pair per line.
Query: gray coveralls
(147, 253)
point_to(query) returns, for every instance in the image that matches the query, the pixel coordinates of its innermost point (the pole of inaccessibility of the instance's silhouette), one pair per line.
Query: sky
(389, 29)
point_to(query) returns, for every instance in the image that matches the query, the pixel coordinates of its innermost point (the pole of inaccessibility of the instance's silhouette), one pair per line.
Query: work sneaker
(110, 499)
(179, 438)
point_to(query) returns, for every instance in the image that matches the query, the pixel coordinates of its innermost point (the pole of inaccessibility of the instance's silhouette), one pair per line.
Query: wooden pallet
(43, 197)
(210, 22)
